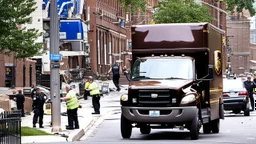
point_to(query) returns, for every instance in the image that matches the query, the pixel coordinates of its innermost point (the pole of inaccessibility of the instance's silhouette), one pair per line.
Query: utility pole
(55, 57)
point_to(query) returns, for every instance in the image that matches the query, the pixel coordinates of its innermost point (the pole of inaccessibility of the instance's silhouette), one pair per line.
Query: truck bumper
(167, 114)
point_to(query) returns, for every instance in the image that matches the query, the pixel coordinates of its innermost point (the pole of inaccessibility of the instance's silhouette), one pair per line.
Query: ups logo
(217, 62)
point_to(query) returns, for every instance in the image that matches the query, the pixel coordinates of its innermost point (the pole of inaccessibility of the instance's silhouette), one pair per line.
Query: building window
(110, 50)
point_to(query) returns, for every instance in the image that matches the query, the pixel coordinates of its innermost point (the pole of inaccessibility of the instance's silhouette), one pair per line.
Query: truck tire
(247, 112)
(207, 128)
(215, 126)
(145, 130)
(194, 128)
(126, 127)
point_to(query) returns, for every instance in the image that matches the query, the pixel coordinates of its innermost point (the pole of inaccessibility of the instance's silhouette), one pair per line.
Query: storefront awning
(73, 53)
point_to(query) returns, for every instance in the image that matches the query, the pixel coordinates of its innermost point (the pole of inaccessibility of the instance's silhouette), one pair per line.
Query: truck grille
(162, 98)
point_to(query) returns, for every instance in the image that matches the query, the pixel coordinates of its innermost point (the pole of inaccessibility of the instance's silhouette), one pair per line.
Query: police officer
(95, 93)
(38, 107)
(86, 86)
(72, 107)
(20, 99)
(249, 86)
(116, 74)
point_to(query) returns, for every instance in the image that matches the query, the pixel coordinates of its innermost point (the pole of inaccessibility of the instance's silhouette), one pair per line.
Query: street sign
(55, 65)
(55, 57)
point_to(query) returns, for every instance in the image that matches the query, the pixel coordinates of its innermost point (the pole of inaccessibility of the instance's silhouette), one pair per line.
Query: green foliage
(239, 5)
(181, 11)
(14, 13)
(27, 131)
(133, 5)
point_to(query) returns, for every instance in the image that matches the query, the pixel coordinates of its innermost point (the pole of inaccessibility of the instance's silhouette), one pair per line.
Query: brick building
(107, 34)
(21, 72)
(16, 72)
(239, 43)
(238, 31)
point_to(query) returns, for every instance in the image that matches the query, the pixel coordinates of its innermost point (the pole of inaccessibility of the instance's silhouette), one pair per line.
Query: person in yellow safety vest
(86, 86)
(254, 80)
(95, 93)
(72, 107)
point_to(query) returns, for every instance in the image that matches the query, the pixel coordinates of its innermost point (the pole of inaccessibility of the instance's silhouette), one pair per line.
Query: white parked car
(1, 110)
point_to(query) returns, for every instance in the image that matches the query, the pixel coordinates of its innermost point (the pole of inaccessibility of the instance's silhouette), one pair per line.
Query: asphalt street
(235, 129)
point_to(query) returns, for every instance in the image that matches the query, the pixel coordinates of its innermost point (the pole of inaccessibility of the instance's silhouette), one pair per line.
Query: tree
(240, 5)
(13, 38)
(181, 11)
(133, 5)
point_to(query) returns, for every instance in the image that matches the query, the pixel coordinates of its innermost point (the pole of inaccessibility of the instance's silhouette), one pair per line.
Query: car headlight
(124, 97)
(188, 99)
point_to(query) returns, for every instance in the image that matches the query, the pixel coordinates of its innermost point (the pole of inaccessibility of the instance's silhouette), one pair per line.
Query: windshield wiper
(174, 78)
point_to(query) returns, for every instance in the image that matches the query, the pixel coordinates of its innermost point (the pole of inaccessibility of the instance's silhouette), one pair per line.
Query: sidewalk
(109, 103)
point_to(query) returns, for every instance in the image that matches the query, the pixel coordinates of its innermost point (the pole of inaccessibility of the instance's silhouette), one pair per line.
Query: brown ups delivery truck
(175, 79)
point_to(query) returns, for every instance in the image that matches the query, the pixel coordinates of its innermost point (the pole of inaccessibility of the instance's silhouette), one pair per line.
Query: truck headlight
(188, 99)
(124, 97)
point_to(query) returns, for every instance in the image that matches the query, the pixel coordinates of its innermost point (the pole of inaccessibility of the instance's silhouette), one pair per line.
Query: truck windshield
(162, 69)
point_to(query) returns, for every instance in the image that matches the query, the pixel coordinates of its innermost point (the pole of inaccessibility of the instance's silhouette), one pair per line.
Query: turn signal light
(242, 93)
(225, 95)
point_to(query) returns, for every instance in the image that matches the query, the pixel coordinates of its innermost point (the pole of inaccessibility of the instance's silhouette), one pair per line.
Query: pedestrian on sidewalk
(72, 107)
(115, 68)
(249, 86)
(38, 107)
(20, 99)
(95, 93)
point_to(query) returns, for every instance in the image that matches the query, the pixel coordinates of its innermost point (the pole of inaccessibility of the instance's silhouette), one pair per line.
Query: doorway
(9, 76)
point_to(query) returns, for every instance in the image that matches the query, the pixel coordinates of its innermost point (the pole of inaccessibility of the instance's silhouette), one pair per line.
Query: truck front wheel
(194, 128)
(145, 130)
(126, 128)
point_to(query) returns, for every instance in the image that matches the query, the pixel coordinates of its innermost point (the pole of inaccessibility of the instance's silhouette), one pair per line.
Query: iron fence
(10, 127)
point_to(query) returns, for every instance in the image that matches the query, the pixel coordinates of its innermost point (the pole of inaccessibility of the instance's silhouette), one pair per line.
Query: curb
(81, 132)
(90, 128)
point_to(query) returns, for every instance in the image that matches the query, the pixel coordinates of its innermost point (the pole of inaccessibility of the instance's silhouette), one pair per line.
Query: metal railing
(10, 127)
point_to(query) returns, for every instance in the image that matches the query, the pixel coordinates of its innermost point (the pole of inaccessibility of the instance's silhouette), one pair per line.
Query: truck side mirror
(209, 76)
(210, 72)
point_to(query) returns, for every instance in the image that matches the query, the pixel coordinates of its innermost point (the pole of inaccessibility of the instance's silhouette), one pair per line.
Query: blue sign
(55, 57)
(73, 30)
(63, 6)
